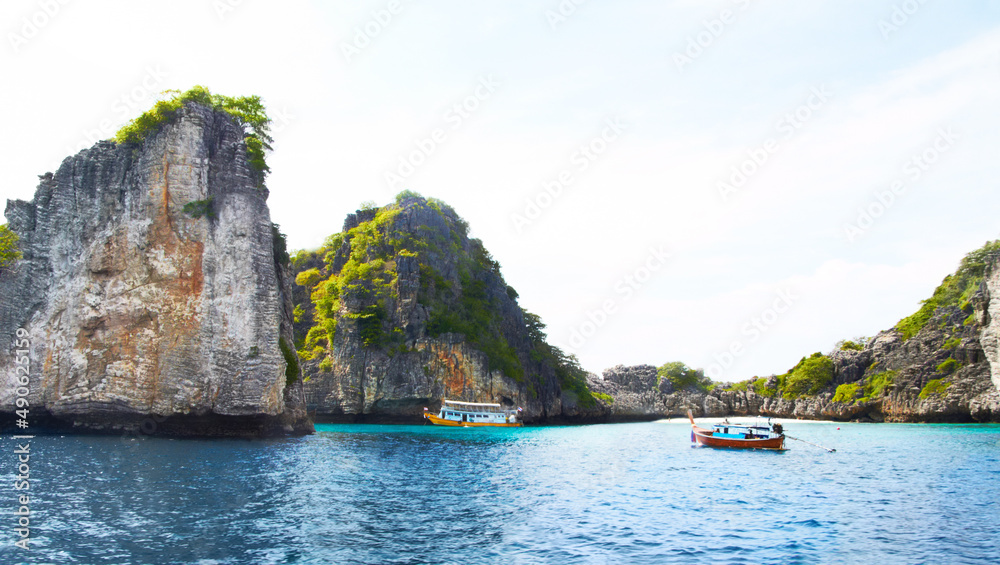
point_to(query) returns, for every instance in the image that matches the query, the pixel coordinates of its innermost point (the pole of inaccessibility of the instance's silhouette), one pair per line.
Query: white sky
(343, 122)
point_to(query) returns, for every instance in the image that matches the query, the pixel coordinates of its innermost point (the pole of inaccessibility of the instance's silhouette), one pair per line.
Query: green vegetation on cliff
(474, 315)
(755, 384)
(248, 111)
(846, 393)
(808, 377)
(761, 388)
(875, 386)
(198, 208)
(292, 370)
(865, 390)
(10, 252)
(948, 366)
(570, 375)
(408, 270)
(683, 377)
(279, 246)
(932, 361)
(365, 278)
(955, 290)
(852, 345)
(937, 387)
(811, 375)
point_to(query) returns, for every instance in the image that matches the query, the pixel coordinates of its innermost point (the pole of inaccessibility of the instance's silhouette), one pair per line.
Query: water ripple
(595, 494)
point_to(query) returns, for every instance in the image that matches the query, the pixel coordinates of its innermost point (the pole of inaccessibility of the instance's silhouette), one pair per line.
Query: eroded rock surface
(430, 287)
(956, 351)
(137, 312)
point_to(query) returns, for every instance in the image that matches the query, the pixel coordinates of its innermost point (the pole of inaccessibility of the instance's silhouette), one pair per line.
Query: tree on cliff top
(248, 111)
(9, 251)
(683, 377)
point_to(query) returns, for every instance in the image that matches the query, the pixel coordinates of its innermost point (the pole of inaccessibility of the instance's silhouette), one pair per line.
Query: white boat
(474, 415)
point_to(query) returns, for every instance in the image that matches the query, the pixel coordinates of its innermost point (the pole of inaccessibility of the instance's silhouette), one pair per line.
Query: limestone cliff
(940, 365)
(402, 309)
(988, 319)
(142, 315)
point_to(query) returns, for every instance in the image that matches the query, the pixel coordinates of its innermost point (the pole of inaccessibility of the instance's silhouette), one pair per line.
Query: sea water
(621, 493)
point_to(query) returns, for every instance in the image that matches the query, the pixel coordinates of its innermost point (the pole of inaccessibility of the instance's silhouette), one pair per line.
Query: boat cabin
(456, 413)
(740, 431)
(745, 436)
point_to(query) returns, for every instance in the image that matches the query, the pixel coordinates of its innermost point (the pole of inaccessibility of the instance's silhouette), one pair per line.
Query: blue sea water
(625, 493)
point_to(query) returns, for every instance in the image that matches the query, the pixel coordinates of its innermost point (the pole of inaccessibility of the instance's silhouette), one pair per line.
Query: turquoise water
(626, 493)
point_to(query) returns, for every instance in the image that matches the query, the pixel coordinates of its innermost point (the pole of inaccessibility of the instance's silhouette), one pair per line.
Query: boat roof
(740, 425)
(471, 404)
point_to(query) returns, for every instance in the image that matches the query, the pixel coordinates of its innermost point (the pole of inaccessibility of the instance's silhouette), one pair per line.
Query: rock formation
(947, 371)
(141, 315)
(988, 318)
(402, 309)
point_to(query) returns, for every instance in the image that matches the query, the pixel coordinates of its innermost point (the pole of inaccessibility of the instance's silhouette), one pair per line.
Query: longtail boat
(473, 415)
(739, 436)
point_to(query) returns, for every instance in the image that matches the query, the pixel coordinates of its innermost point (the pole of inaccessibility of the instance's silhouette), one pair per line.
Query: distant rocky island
(941, 364)
(157, 297)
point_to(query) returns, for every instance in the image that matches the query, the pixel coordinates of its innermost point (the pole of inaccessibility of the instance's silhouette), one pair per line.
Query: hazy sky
(732, 184)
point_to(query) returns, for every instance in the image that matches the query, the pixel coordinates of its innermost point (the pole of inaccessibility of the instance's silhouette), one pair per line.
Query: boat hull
(708, 439)
(456, 424)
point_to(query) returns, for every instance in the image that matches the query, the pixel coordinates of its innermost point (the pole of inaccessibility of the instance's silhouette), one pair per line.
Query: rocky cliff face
(988, 319)
(948, 371)
(141, 315)
(402, 309)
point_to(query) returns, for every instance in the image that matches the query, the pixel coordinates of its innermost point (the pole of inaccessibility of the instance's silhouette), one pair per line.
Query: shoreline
(254, 432)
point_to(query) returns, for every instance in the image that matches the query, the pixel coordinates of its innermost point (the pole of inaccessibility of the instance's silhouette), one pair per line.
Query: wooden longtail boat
(474, 415)
(739, 436)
